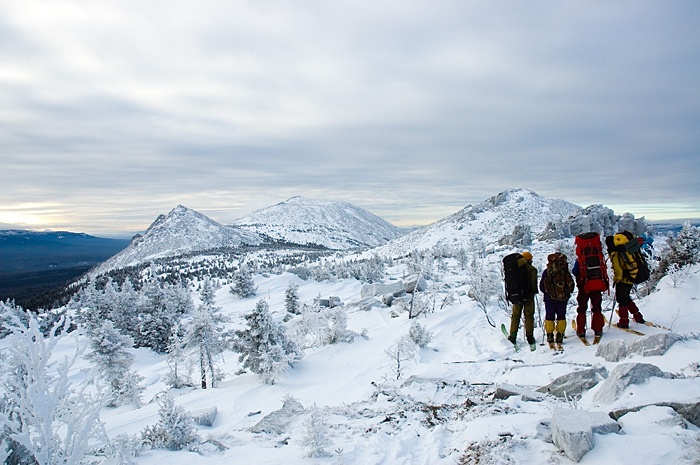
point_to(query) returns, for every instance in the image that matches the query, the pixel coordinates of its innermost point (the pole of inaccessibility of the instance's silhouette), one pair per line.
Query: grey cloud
(402, 107)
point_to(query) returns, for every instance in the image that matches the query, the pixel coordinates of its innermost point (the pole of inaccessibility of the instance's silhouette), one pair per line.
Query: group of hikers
(591, 279)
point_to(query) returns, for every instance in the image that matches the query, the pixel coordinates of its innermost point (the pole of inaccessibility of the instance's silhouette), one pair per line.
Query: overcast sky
(112, 112)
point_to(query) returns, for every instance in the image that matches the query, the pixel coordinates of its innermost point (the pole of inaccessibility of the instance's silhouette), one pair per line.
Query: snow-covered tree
(419, 334)
(205, 337)
(315, 437)
(684, 248)
(263, 345)
(243, 285)
(483, 285)
(175, 429)
(318, 326)
(177, 358)
(110, 352)
(45, 418)
(403, 350)
(11, 313)
(291, 298)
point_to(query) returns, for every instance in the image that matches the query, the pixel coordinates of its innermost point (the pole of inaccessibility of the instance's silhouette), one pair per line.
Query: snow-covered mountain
(501, 218)
(335, 225)
(181, 231)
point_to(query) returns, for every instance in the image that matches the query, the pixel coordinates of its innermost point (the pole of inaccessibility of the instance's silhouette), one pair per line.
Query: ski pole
(539, 317)
(612, 310)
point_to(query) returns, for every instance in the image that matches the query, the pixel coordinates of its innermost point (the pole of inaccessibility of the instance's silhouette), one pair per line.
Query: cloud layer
(113, 112)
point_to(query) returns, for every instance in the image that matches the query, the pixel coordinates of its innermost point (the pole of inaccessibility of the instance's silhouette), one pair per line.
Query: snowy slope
(335, 225)
(181, 231)
(442, 409)
(443, 406)
(488, 221)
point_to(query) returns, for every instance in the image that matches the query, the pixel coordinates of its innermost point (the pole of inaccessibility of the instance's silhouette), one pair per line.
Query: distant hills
(296, 222)
(31, 262)
(34, 261)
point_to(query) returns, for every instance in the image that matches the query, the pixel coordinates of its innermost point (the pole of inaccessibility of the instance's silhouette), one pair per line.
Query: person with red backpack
(624, 278)
(591, 280)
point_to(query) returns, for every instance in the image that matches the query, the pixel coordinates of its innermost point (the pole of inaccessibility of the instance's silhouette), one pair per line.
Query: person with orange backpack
(626, 274)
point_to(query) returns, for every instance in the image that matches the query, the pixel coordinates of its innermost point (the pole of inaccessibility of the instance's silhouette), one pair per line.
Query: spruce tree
(110, 351)
(263, 346)
(206, 337)
(243, 285)
(291, 298)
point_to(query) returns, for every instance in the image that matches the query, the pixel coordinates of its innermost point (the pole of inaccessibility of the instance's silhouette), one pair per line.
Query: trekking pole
(539, 317)
(611, 313)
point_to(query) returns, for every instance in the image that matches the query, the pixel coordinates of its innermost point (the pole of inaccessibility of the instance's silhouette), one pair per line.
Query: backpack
(558, 283)
(593, 272)
(516, 277)
(636, 268)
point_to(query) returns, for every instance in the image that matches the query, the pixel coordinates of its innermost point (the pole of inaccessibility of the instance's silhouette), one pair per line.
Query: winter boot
(624, 321)
(597, 322)
(561, 329)
(581, 324)
(549, 329)
(636, 313)
(512, 338)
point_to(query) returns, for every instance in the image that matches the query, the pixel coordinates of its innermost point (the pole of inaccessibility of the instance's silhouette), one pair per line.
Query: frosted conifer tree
(243, 285)
(291, 298)
(10, 314)
(175, 429)
(316, 434)
(205, 336)
(419, 334)
(110, 352)
(684, 249)
(263, 346)
(178, 377)
(45, 418)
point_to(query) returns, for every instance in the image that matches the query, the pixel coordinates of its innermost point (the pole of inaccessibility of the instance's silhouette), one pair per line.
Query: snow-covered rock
(576, 382)
(205, 417)
(277, 422)
(621, 377)
(572, 430)
(506, 390)
(395, 289)
(655, 344)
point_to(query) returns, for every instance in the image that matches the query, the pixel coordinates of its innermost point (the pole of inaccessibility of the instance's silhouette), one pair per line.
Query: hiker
(527, 308)
(556, 285)
(623, 284)
(591, 281)
(582, 298)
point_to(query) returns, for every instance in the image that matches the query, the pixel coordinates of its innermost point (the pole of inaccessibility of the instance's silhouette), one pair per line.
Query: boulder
(690, 411)
(575, 383)
(505, 390)
(205, 417)
(416, 283)
(277, 422)
(621, 377)
(380, 289)
(655, 344)
(572, 430)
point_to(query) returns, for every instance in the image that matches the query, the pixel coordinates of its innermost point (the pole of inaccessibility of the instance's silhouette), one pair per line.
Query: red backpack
(593, 272)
